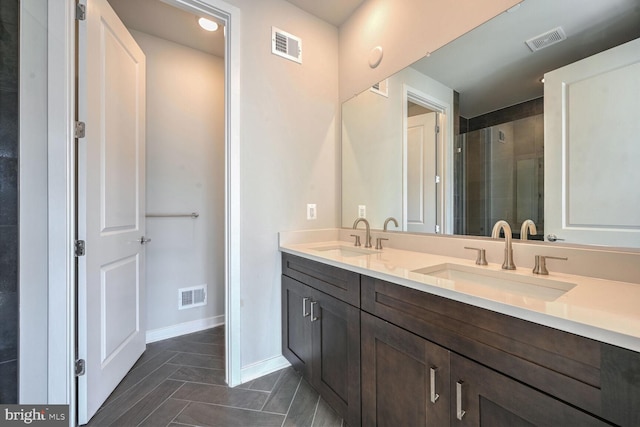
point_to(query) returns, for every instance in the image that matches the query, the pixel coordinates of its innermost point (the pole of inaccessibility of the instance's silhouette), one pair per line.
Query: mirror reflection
(455, 142)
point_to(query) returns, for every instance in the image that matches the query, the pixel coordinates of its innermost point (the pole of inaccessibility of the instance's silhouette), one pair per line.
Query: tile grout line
(230, 407)
(315, 412)
(139, 400)
(291, 403)
(274, 386)
(161, 403)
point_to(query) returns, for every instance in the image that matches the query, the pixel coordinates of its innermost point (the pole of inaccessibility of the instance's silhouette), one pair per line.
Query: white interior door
(111, 208)
(421, 173)
(591, 149)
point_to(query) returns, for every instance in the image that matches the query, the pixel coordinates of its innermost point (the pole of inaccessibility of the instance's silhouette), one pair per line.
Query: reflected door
(421, 196)
(591, 149)
(111, 209)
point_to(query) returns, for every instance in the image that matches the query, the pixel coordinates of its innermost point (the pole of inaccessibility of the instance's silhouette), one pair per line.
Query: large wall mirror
(456, 141)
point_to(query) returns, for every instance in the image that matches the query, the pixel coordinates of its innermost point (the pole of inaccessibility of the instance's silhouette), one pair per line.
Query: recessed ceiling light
(208, 24)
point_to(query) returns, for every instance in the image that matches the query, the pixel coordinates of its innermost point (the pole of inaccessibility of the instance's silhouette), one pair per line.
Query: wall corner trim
(263, 367)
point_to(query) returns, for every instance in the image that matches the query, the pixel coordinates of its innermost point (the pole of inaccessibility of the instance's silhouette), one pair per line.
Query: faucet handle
(481, 258)
(357, 242)
(541, 264)
(379, 242)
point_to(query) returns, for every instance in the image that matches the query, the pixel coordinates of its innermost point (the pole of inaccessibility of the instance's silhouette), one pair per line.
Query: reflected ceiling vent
(286, 45)
(547, 39)
(381, 88)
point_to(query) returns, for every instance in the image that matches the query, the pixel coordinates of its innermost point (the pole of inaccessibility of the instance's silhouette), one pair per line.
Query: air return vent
(192, 297)
(547, 39)
(286, 45)
(381, 88)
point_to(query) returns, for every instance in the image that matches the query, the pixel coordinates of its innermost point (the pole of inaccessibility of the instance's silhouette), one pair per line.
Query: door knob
(144, 240)
(553, 238)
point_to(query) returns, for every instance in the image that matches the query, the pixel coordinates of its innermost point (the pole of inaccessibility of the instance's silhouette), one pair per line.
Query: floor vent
(546, 39)
(286, 45)
(192, 297)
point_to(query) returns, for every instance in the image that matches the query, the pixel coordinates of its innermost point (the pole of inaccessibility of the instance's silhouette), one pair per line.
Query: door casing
(61, 112)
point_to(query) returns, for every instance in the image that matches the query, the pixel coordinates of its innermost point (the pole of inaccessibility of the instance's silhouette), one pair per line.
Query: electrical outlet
(362, 211)
(312, 212)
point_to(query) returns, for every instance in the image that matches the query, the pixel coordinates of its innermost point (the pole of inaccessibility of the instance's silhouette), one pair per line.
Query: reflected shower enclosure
(499, 174)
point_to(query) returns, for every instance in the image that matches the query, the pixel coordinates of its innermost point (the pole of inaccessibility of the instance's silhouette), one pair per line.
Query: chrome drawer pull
(432, 377)
(313, 311)
(305, 313)
(459, 411)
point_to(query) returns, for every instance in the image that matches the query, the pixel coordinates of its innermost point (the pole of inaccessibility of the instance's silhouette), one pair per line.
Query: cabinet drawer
(339, 283)
(561, 364)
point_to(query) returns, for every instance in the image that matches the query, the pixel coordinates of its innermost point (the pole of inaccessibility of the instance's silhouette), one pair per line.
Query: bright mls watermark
(35, 415)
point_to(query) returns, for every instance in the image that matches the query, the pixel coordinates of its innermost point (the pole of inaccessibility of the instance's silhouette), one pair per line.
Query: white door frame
(61, 191)
(445, 154)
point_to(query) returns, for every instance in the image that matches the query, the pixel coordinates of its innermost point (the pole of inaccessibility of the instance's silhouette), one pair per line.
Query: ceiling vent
(381, 88)
(286, 45)
(547, 39)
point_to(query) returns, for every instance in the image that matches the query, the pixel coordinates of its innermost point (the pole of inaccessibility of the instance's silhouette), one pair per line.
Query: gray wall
(9, 18)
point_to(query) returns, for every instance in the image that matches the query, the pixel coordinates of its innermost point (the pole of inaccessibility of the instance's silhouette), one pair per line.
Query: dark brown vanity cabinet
(321, 333)
(405, 378)
(387, 355)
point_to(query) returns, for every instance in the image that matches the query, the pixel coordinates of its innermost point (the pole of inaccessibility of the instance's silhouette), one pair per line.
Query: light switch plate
(312, 212)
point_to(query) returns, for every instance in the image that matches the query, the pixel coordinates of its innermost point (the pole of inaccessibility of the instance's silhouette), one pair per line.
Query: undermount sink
(344, 251)
(485, 282)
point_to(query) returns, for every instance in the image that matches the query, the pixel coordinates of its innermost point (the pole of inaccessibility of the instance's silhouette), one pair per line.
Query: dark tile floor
(180, 382)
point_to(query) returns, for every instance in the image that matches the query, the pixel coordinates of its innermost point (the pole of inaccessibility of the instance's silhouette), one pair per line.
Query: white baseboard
(264, 367)
(183, 328)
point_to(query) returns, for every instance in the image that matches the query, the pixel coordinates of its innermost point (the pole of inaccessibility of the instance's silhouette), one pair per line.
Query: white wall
(406, 30)
(372, 161)
(289, 155)
(185, 173)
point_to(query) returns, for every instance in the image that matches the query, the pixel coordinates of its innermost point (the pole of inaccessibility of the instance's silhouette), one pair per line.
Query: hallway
(180, 382)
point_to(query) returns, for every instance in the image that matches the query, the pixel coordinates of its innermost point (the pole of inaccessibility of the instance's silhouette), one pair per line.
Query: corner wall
(289, 156)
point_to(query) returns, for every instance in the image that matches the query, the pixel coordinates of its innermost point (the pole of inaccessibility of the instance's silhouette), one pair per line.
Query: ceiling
(152, 16)
(492, 67)
(332, 11)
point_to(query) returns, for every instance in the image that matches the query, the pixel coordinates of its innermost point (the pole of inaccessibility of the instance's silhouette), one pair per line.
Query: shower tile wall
(500, 179)
(9, 20)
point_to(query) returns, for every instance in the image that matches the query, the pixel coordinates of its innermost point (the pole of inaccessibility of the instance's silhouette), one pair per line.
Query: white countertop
(603, 310)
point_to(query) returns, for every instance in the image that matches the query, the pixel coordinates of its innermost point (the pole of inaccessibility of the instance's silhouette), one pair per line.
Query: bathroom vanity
(387, 343)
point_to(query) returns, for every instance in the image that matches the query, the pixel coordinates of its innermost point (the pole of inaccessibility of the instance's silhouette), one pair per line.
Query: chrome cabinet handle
(305, 313)
(144, 240)
(459, 411)
(313, 311)
(432, 381)
(553, 238)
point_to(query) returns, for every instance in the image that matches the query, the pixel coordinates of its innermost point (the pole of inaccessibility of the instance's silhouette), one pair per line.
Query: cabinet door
(405, 378)
(296, 325)
(483, 397)
(336, 354)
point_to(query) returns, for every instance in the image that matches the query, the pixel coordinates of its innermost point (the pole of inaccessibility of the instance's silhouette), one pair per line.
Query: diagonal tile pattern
(180, 382)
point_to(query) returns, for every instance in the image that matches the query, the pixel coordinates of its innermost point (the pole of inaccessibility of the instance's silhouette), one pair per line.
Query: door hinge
(81, 12)
(437, 128)
(79, 248)
(79, 129)
(80, 367)
(437, 228)
(437, 179)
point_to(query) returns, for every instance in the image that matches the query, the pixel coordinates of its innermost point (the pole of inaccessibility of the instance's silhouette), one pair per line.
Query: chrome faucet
(367, 239)
(508, 249)
(386, 222)
(528, 226)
